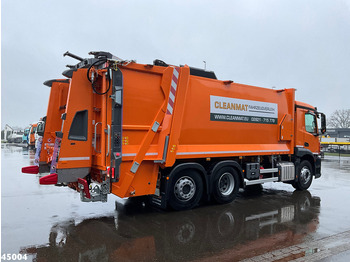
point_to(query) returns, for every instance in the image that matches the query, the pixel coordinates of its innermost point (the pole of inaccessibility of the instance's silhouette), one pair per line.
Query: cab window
(40, 129)
(79, 127)
(310, 123)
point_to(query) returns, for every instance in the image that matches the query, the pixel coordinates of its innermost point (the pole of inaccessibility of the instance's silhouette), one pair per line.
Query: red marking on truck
(30, 169)
(86, 187)
(49, 179)
(172, 93)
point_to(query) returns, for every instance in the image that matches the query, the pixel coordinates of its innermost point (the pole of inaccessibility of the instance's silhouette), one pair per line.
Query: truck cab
(307, 144)
(32, 137)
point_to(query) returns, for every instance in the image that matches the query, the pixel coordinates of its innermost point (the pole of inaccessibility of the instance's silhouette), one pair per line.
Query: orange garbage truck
(56, 107)
(174, 133)
(32, 138)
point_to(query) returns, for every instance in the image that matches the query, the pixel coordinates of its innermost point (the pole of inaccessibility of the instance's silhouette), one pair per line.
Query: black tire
(226, 185)
(186, 190)
(225, 226)
(183, 234)
(304, 207)
(305, 174)
(302, 201)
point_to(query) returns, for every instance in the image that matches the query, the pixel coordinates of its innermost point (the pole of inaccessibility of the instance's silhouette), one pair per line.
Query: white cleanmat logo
(240, 110)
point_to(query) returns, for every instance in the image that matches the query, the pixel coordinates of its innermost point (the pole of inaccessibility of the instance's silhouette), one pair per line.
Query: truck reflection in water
(253, 225)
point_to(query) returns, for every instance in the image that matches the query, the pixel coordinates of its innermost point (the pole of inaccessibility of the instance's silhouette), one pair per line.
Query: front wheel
(226, 185)
(304, 173)
(186, 190)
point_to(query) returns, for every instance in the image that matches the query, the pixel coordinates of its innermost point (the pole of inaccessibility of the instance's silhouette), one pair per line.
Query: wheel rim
(185, 188)
(305, 175)
(226, 184)
(186, 233)
(226, 223)
(305, 205)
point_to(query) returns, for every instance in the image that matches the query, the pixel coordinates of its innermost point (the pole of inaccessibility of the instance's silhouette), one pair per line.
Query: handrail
(109, 139)
(95, 138)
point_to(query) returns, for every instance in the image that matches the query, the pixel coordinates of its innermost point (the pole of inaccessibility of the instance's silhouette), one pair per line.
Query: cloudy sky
(302, 44)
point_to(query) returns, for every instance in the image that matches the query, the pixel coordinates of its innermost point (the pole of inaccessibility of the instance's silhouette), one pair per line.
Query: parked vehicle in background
(25, 137)
(15, 137)
(36, 130)
(32, 135)
(39, 133)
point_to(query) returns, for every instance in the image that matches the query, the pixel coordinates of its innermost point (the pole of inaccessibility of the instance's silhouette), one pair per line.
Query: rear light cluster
(110, 171)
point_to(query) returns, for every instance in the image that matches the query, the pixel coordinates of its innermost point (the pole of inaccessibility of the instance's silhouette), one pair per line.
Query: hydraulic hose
(98, 63)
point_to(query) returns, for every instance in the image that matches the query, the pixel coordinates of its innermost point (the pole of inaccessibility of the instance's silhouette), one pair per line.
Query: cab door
(311, 140)
(306, 131)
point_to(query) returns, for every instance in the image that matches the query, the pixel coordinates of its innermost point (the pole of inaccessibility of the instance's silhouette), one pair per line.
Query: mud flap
(55, 152)
(38, 150)
(318, 167)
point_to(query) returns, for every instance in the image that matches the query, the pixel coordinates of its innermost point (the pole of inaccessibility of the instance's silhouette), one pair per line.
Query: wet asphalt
(50, 223)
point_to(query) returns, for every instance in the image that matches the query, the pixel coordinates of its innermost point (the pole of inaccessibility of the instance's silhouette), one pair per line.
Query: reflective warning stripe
(173, 88)
(74, 158)
(231, 152)
(134, 154)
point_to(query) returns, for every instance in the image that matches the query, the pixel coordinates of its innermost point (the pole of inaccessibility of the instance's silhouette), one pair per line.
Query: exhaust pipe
(73, 56)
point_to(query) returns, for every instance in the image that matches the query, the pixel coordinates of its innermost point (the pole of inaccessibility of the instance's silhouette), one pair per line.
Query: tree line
(339, 119)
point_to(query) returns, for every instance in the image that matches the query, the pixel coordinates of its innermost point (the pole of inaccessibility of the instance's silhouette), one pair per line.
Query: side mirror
(40, 129)
(323, 123)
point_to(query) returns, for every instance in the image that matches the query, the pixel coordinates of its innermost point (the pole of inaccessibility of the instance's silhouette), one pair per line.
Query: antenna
(205, 65)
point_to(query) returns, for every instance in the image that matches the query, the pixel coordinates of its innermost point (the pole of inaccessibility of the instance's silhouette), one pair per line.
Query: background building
(336, 140)
(338, 132)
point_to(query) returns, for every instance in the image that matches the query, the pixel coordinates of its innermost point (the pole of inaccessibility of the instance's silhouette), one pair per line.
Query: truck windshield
(310, 123)
(40, 128)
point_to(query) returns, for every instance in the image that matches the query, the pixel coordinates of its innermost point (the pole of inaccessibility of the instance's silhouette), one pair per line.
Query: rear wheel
(226, 185)
(186, 190)
(304, 173)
